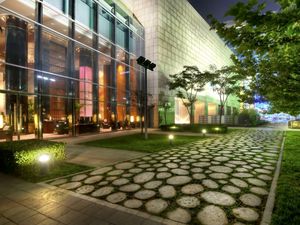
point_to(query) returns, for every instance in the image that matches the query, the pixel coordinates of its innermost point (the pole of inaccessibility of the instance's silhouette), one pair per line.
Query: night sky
(219, 7)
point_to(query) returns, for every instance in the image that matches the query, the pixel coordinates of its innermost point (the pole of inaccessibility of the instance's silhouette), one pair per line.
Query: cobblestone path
(223, 180)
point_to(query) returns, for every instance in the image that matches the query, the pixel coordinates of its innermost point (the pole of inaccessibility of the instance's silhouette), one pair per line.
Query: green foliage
(188, 84)
(287, 202)
(137, 142)
(267, 46)
(195, 128)
(164, 103)
(21, 157)
(249, 117)
(225, 82)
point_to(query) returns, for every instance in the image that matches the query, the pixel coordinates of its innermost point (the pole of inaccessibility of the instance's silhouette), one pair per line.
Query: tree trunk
(192, 120)
(165, 114)
(221, 113)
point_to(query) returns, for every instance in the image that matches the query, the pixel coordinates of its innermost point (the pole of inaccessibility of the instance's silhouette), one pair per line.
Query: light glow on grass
(44, 158)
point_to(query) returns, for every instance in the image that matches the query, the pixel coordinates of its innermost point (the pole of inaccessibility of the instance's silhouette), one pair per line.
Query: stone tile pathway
(223, 180)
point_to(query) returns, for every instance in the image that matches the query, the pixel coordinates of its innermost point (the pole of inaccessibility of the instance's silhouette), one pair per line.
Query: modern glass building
(68, 66)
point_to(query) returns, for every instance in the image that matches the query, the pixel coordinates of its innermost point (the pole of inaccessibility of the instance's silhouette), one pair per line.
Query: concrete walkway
(25, 203)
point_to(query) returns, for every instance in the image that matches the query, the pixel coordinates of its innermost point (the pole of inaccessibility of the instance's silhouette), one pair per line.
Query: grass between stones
(137, 142)
(287, 204)
(59, 170)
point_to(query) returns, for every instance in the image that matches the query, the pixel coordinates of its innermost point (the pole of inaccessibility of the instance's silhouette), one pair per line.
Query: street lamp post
(147, 64)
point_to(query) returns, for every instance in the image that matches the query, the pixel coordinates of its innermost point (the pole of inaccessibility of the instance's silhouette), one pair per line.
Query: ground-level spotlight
(44, 161)
(217, 129)
(44, 158)
(204, 131)
(171, 138)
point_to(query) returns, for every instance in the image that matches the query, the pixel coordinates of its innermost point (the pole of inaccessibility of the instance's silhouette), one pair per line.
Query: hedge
(195, 128)
(21, 157)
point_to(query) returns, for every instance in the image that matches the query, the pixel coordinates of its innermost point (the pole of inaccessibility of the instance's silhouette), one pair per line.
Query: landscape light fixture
(44, 158)
(148, 65)
(204, 131)
(171, 138)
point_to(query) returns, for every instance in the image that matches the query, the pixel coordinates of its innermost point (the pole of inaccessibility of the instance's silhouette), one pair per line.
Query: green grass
(61, 169)
(287, 204)
(136, 142)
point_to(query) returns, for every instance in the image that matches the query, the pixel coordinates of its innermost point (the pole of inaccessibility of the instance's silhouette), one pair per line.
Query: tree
(188, 84)
(267, 46)
(225, 82)
(163, 102)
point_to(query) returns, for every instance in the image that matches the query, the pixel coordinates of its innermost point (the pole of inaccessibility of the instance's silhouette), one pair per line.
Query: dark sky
(219, 7)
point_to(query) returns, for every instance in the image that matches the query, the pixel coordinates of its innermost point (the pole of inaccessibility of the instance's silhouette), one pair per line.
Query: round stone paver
(116, 197)
(256, 182)
(102, 191)
(221, 158)
(156, 206)
(180, 171)
(115, 172)
(144, 194)
(179, 215)
(246, 214)
(188, 202)
(130, 188)
(120, 181)
(79, 177)
(259, 191)
(197, 170)
(250, 200)
(172, 165)
(124, 166)
(135, 170)
(143, 177)
(179, 180)
(93, 179)
(198, 176)
(218, 175)
(231, 189)
(210, 184)
(242, 175)
(264, 177)
(212, 215)
(167, 191)
(71, 185)
(201, 164)
(133, 203)
(163, 175)
(192, 189)
(101, 171)
(58, 182)
(221, 169)
(85, 189)
(238, 182)
(153, 184)
(218, 198)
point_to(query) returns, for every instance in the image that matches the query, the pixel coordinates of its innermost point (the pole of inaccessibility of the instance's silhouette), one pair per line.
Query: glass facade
(68, 67)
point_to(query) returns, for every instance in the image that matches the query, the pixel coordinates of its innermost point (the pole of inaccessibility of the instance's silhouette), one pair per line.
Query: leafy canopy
(267, 47)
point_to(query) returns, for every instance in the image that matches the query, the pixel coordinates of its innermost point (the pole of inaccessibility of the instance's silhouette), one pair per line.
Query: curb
(267, 215)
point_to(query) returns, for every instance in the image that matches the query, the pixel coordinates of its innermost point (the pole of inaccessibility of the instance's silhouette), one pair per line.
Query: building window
(83, 12)
(105, 24)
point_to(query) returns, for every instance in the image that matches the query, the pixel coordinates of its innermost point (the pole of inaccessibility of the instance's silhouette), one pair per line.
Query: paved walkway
(214, 181)
(218, 180)
(25, 203)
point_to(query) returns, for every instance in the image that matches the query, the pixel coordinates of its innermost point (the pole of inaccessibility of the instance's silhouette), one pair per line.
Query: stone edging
(267, 215)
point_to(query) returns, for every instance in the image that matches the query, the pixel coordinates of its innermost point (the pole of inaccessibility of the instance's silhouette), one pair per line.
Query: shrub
(21, 157)
(250, 117)
(195, 128)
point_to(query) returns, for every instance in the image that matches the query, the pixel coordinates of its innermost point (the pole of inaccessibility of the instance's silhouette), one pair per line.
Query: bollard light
(44, 158)
(204, 131)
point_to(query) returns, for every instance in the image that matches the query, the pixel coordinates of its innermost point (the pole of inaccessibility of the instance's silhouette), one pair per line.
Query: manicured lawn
(287, 204)
(62, 169)
(136, 142)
